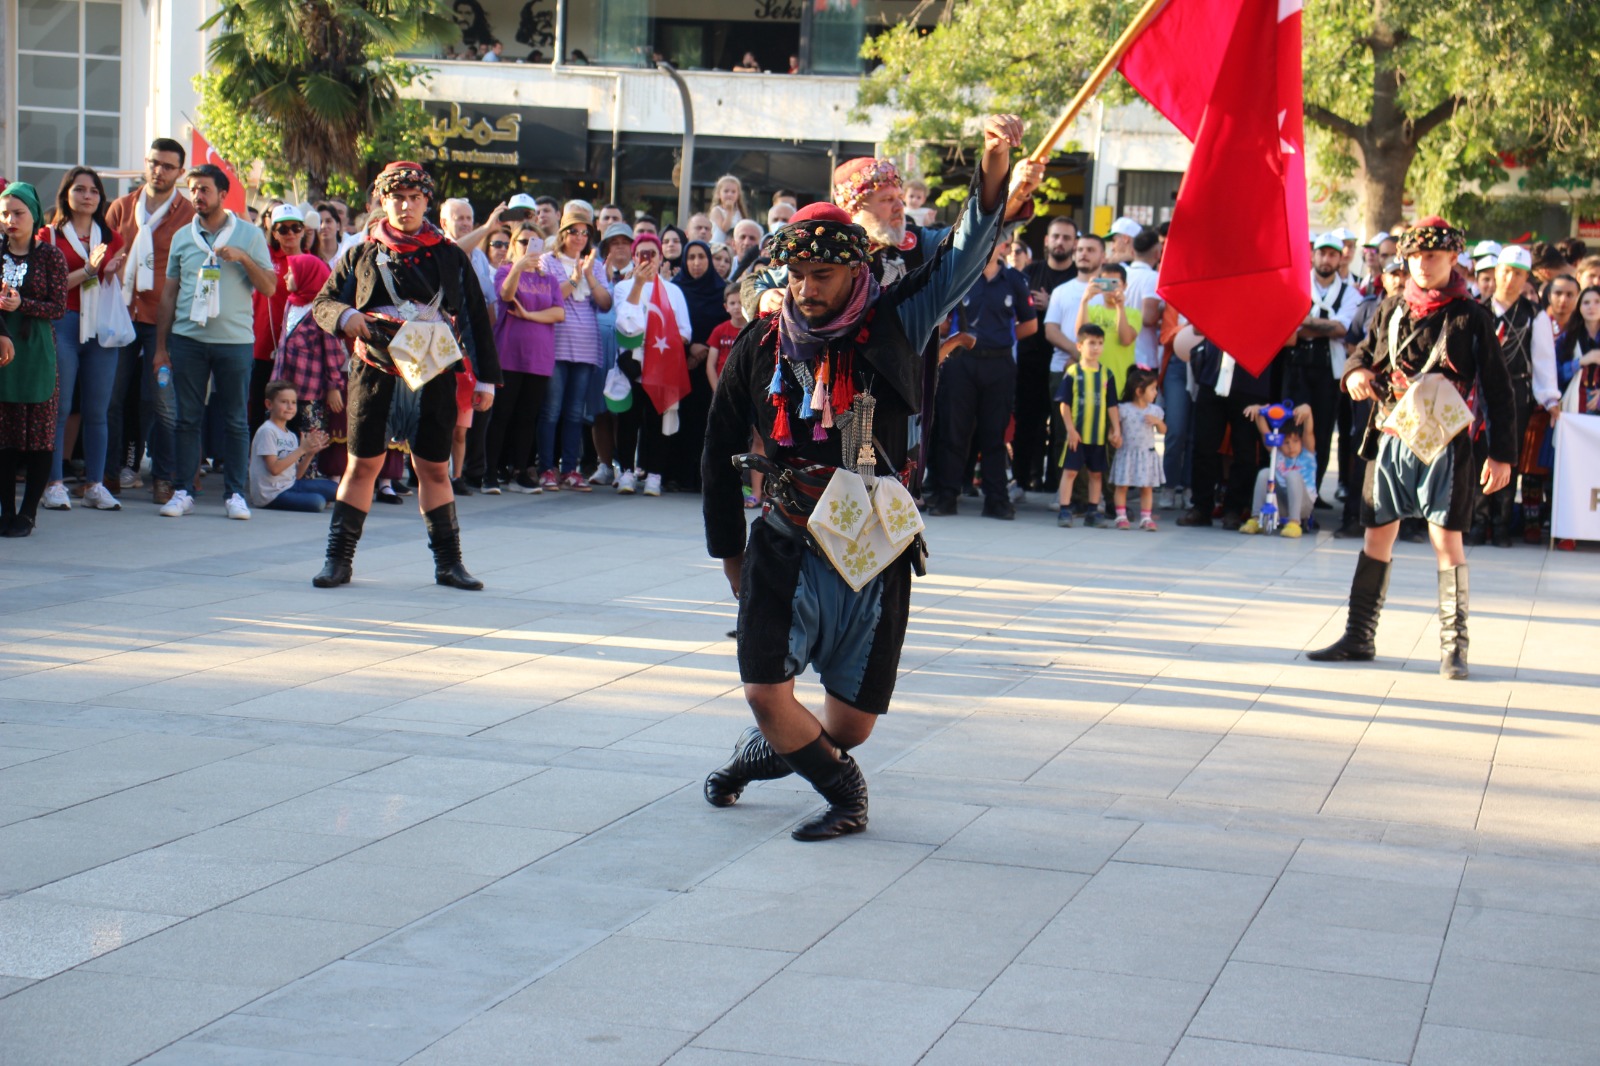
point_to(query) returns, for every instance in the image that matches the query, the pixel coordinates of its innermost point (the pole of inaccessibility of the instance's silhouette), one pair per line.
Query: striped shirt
(1090, 394)
(578, 335)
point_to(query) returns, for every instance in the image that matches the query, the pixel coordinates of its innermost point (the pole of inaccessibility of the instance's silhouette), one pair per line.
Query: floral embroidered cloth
(862, 530)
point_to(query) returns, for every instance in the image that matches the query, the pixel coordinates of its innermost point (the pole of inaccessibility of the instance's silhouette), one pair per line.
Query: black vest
(1517, 343)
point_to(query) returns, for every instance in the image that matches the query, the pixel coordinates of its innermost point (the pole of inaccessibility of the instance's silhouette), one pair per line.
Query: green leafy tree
(315, 84)
(1451, 84)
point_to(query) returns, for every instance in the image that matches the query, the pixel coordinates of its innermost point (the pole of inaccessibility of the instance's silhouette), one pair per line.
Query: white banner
(1575, 505)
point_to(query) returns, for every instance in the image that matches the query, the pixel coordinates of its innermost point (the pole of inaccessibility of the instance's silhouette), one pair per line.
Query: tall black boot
(344, 532)
(837, 778)
(1367, 591)
(1453, 623)
(1504, 502)
(753, 760)
(444, 537)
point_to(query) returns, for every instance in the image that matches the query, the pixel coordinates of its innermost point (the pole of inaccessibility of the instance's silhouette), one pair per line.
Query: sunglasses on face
(289, 228)
(499, 244)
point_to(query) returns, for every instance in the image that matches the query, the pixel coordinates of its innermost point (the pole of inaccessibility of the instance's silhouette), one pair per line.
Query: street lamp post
(686, 164)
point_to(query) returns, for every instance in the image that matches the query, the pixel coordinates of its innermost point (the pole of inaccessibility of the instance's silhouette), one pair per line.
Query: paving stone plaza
(1115, 818)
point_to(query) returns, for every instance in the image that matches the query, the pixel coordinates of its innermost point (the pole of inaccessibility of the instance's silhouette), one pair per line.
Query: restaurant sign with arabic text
(490, 135)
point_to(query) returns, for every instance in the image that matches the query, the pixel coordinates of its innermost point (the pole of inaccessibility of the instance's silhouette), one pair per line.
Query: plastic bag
(114, 326)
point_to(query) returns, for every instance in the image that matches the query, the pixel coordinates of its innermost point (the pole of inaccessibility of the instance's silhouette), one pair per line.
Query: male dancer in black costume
(838, 335)
(1433, 324)
(404, 266)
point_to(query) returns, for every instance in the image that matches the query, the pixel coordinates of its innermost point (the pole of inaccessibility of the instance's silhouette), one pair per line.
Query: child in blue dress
(1136, 464)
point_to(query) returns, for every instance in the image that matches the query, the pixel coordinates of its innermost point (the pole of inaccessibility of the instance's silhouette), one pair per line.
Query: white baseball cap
(1344, 234)
(1514, 255)
(1126, 227)
(1377, 238)
(1483, 248)
(1464, 260)
(1485, 262)
(287, 213)
(1328, 240)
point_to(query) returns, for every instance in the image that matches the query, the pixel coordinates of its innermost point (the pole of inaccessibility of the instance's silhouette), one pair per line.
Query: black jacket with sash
(1472, 360)
(355, 284)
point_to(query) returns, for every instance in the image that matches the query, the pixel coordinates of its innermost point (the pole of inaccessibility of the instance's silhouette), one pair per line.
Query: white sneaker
(627, 484)
(604, 476)
(100, 499)
(180, 504)
(130, 479)
(652, 485)
(237, 508)
(1017, 493)
(56, 498)
(1165, 499)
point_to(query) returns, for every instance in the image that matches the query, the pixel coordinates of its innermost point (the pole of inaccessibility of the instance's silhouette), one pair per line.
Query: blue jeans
(310, 495)
(566, 399)
(157, 409)
(87, 364)
(194, 364)
(1175, 403)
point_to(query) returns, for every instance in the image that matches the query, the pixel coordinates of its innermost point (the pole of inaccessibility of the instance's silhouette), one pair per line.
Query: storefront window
(69, 88)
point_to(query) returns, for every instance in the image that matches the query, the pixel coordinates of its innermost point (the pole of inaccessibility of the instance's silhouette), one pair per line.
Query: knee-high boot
(444, 537)
(344, 532)
(1505, 501)
(837, 778)
(753, 760)
(1453, 623)
(1368, 589)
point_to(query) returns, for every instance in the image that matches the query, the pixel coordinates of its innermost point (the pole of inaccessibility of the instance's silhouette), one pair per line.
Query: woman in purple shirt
(583, 288)
(524, 333)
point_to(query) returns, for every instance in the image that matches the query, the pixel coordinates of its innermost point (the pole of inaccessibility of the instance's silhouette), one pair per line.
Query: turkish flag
(666, 372)
(200, 151)
(1238, 257)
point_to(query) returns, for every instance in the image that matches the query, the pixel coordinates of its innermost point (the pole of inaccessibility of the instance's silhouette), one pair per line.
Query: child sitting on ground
(278, 459)
(1088, 396)
(1136, 462)
(1296, 473)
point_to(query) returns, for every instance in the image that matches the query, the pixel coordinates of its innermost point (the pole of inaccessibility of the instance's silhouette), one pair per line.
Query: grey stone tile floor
(1116, 816)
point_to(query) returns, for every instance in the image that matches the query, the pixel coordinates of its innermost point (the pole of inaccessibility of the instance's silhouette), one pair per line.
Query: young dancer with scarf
(405, 273)
(1433, 325)
(831, 379)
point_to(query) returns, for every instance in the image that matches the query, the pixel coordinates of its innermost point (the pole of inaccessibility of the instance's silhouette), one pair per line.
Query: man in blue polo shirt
(977, 386)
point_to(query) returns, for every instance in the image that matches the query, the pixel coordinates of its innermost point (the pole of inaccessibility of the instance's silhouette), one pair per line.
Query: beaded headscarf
(857, 179)
(403, 175)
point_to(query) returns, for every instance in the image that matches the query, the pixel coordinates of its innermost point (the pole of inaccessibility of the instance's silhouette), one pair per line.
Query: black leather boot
(344, 532)
(1504, 502)
(753, 760)
(837, 778)
(444, 537)
(1453, 623)
(1367, 591)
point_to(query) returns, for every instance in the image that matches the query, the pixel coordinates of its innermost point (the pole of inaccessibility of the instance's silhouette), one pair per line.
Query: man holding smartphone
(1104, 304)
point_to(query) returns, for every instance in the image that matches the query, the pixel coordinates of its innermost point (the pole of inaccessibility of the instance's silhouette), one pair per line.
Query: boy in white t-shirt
(279, 460)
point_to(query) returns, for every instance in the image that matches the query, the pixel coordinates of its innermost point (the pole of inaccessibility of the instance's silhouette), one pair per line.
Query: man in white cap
(1376, 252)
(1119, 247)
(1528, 339)
(1317, 358)
(1347, 243)
(1483, 270)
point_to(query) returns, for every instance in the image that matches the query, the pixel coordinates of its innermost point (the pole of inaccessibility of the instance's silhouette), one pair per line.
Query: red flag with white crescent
(1238, 257)
(201, 151)
(666, 370)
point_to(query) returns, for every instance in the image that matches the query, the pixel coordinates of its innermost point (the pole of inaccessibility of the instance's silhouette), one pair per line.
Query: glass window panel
(837, 31)
(43, 179)
(625, 33)
(47, 81)
(102, 29)
(102, 84)
(47, 137)
(101, 136)
(48, 25)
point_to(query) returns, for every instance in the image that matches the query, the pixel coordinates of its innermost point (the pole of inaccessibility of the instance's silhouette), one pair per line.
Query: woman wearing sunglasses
(286, 233)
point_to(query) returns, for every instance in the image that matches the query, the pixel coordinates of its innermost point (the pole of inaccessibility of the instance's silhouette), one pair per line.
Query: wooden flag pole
(1140, 23)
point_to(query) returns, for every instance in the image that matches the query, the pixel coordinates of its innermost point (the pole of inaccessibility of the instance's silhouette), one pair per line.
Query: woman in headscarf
(703, 290)
(312, 360)
(33, 294)
(672, 239)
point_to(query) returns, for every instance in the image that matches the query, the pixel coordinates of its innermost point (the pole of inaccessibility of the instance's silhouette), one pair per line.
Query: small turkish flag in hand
(200, 151)
(1238, 258)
